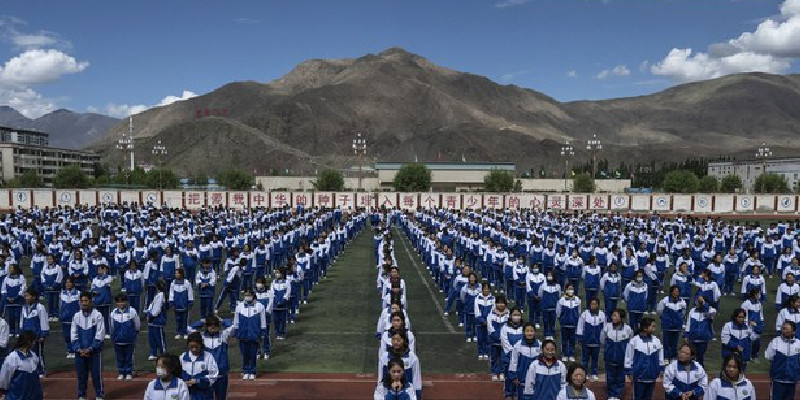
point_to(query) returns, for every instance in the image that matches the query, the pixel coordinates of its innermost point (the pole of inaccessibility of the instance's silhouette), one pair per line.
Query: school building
(749, 170)
(26, 150)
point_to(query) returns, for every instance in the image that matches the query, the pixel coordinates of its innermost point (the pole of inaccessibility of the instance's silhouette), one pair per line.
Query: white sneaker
(494, 378)
(108, 336)
(70, 355)
(151, 358)
(128, 377)
(537, 327)
(460, 324)
(572, 359)
(564, 358)
(252, 377)
(245, 377)
(469, 340)
(501, 377)
(177, 336)
(266, 357)
(120, 377)
(446, 313)
(185, 336)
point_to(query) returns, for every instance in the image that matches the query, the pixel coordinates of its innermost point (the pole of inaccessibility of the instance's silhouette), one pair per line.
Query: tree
(162, 179)
(518, 186)
(709, 184)
(681, 181)
(29, 179)
(582, 183)
(71, 177)
(771, 183)
(235, 179)
(498, 181)
(329, 180)
(414, 177)
(730, 183)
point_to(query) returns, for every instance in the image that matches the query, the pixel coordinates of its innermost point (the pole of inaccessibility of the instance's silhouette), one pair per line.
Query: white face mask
(515, 319)
(259, 286)
(639, 280)
(535, 270)
(161, 372)
(570, 292)
(248, 298)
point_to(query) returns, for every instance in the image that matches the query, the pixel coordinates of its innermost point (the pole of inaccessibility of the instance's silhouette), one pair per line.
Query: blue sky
(118, 57)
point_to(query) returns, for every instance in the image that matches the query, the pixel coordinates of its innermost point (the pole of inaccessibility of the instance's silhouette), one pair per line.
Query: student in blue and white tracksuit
(522, 355)
(263, 295)
(13, 291)
(19, 376)
(250, 324)
(732, 384)
(615, 338)
(635, 295)
(546, 375)
(591, 275)
(510, 334)
(494, 323)
(568, 311)
(34, 318)
(685, 376)
(737, 337)
(52, 281)
(394, 384)
(70, 304)
(181, 298)
(644, 360)
(125, 327)
(469, 293)
(550, 295)
(88, 332)
(156, 313)
(483, 307)
(101, 288)
(215, 341)
(783, 353)
(590, 326)
(611, 286)
(700, 327)
(133, 286)
(534, 280)
(400, 349)
(280, 292)
(205, 280)
(672, 310)
(200, 370)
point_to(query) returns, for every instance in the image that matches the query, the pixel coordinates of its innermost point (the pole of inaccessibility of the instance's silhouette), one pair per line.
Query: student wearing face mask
(534, 279)
(206, 280)
(611, 285)
(732, 384)
(683, 280)
(394, 384)
(787, 289)
(469, 293)
(590, 326)
(199, 368)
(568, 311)
(684, 378)
(644, 360)
(510, 334)
(125, 326)
(522, 355)
(181, 298)
(700, 327)
(591, 277)
(280, 292)
(546, 375)
(672, 310)
(550, 295)
(635, 296)
(168, 384)
(576, 385)
(495, 322)
(783, 353)
(263, 295)
(250, 324)
(615, 337)
(215, 342)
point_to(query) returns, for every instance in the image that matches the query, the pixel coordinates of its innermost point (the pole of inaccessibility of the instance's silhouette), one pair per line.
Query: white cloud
(619, 70)
(572, 73)
(681, 65)
(27, 101)
(40, 40)
(771, 47)
(124, 110)
(246, 21)
(510, 3)
(39, 66)
(644, 66)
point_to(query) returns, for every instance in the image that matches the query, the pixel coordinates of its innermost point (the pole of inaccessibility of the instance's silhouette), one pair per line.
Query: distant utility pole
(593, 145)
(126, 143)
(567, 151)
(763, 153)
(360, 149)
(159, 150)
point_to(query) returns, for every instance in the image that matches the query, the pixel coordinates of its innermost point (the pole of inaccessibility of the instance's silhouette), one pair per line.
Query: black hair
(645, 323)
(387, 377)
(212, 321)
(736, 358)
(737, 312)
(500, 299)
(196, 337)
(25, 339)
(572, 368)
(172, 364)
(86, 293)
(31, 291)
(622, 313)
(120, 297)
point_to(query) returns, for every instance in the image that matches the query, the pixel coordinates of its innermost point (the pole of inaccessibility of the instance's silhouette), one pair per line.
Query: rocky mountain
(67, 129)
(407, 107)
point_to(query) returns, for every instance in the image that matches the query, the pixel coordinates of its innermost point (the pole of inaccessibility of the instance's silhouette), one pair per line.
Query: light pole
(360, 148)
(762, 153)
(593, 145)
(126, 143)
(159, 150)
(567, 151)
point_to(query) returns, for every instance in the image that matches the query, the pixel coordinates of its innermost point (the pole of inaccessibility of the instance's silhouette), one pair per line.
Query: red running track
(61, 385)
